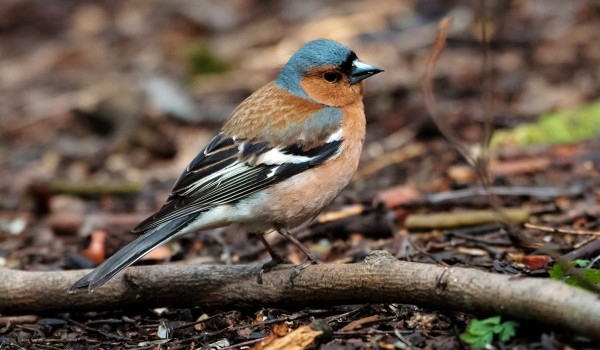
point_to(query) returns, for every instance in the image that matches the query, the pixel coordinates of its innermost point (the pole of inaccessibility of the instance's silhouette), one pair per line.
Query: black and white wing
(225, 171)
(228, 170)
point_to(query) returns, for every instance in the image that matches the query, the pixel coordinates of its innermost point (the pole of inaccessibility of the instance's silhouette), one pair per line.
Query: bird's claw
(311, 259)
(276, 260)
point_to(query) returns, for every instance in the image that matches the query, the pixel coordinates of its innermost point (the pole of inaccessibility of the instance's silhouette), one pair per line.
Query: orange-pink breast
(305, 195)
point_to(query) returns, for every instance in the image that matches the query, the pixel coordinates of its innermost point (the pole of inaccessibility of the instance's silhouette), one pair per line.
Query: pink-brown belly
(305, 195)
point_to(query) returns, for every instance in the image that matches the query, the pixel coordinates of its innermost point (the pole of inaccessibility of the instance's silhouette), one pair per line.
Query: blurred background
(103, 104)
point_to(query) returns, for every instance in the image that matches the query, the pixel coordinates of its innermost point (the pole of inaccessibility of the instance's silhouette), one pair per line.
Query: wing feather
(229, 169)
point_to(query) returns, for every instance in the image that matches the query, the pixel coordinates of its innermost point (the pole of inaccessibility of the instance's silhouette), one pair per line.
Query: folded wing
(225, 171)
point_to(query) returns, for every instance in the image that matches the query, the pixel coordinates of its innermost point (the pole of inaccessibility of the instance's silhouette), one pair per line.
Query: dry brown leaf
(534, 262)
(202, 325)
(471, 251)
(396, 196)
(281, 339)
(519, 166)
(421, 321)
(96, 251)
(462, 174)
(278, 331)
(343, 213)
(395, 157)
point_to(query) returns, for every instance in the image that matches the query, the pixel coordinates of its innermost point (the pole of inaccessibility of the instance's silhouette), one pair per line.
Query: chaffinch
(281, 157)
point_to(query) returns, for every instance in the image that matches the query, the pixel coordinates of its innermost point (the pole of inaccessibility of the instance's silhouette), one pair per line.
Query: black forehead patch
(346, 66)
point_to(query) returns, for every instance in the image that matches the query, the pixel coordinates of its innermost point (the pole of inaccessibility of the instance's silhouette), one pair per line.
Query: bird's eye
(332, 77)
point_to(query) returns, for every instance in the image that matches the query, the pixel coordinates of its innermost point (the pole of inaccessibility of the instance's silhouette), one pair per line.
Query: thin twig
(420, 250)
(429, 96)
(566, 230)
(487, 94)
(590, 248)
(91, 329)
(531, 191)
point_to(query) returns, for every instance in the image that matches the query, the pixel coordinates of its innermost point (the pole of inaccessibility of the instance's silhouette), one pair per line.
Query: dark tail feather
(131, 253)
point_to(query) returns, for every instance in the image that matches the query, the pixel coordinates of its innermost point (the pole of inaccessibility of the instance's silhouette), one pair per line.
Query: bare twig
(531, 191)
(92, 329)
(564, 230)
(590, 249)
(394, 157)
(429, 96)
(487, 97)
(478, 162)
(462, 218)
(12, 320)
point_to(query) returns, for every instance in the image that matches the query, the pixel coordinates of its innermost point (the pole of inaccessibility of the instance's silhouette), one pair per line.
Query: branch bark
(379, 279)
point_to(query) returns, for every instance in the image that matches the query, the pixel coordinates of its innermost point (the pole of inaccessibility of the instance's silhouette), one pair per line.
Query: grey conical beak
(361, 70)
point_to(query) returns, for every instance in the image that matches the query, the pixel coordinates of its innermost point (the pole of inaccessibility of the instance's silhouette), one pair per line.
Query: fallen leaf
(396, 196)
(200, 326)
(462, 174)
(96, 251)
(534, 262)
(471, 251)
(356, 238)
(280, 338)
(343, 213)
(519, 166)
(421, 321)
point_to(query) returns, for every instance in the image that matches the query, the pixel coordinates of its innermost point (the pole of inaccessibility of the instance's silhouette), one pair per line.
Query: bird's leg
(311, 258)
(276, 259)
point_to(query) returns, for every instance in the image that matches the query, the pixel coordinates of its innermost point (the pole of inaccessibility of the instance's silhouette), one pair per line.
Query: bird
(282, 155)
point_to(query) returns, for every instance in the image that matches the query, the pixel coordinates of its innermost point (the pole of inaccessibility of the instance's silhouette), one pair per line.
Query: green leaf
(497, 328)
(557, 271)
(491, 321)
(481, 327)
(477, 341)
(481, 332)
(581, 262)
(508, 330)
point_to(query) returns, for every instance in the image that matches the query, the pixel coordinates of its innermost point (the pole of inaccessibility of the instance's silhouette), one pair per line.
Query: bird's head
(327, 72)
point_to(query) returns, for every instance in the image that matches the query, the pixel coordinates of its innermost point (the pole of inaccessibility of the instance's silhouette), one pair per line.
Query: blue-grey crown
(316, 53)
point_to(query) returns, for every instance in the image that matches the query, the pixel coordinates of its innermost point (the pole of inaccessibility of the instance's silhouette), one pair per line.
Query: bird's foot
(310, 259)
(275, 260)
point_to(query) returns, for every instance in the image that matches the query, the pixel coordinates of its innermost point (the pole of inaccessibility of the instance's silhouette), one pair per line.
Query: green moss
(201, 61)
(558, 127)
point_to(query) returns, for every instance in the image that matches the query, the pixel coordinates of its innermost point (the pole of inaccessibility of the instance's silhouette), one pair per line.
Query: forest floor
(103, 104)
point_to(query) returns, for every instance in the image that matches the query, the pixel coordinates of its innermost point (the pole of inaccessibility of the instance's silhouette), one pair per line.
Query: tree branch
(379, 279)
